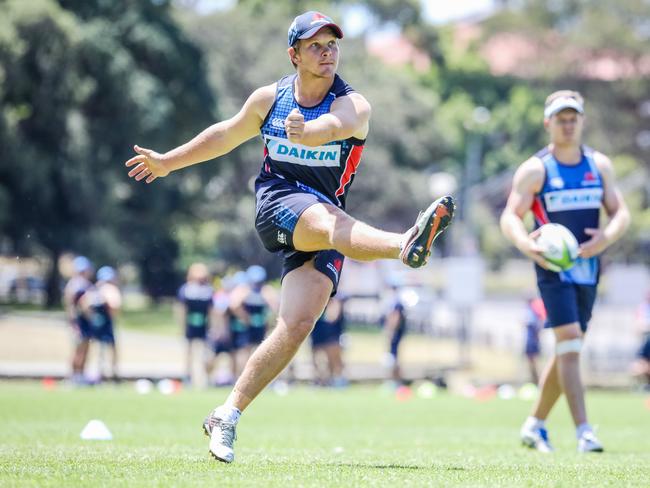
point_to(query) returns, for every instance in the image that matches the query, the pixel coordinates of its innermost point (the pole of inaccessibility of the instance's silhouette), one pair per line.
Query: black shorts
(566, 303)
(192, 332)
(323, 334)
(395, 340)
(106, 335)
(279, 205)
(85, 328)
(644, 351)
(238, 339)
(256, 335)
(221, 345)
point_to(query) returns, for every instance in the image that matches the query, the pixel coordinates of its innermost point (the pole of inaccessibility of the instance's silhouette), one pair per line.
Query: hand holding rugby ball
(559, 246)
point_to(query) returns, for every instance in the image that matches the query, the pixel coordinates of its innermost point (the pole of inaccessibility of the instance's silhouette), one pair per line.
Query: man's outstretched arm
(215, 141)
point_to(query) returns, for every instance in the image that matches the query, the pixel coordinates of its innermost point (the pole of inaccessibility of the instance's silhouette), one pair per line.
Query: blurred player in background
(73, 291)
(641, 367)
(394, 330)
(107, 286)
(194, 311)
(565, 183)
(100, 305)
(326, 347)
(314, 126)
(237, 319)
(219, 333)
(535, 316)
(254, 303)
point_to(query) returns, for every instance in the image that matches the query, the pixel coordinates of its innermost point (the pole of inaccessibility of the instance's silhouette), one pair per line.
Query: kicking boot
(429, 225)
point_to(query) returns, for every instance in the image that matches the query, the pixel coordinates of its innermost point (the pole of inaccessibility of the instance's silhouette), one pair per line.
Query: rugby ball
(558, 244)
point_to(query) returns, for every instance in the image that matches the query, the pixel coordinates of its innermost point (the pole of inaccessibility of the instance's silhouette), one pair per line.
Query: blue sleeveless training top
(329, 169)
(572, 196)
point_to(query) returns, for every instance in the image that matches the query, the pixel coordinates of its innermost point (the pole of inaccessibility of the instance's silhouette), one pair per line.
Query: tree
(83, 80)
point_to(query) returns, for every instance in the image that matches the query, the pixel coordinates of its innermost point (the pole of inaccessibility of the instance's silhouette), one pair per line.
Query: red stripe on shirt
(539, 212)
(351, 164)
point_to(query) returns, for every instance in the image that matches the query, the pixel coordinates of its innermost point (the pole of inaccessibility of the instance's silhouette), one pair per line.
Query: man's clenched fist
(294, 125)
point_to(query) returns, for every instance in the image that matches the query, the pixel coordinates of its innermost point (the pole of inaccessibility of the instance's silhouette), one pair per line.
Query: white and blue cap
(306, 25)
(106, 273)
(256, 274)
(81, 264)
(562, 103)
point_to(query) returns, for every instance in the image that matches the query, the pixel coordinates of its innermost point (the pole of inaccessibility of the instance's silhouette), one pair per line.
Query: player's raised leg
(305, 292)
(324, 226)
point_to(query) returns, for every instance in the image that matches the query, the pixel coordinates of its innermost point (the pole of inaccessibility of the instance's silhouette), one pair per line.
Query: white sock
(228, 413)
(534, 423)
(582, 428)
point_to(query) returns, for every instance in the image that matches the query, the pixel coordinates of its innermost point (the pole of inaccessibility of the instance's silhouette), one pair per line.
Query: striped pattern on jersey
(572, 196)
(329, 169)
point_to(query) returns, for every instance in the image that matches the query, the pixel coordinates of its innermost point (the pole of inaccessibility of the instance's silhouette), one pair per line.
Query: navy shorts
(239, 339)
(323, 334)
(532, 347)
(221, 345)
(85, 328)
(566, 303)
(279, 205)
(644, 352)
(105, 334)
(195, 332)
(256, 334)
(395, 340)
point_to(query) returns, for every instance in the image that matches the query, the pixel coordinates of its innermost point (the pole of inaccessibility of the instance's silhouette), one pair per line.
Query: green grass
(158, 320)
(358, 437)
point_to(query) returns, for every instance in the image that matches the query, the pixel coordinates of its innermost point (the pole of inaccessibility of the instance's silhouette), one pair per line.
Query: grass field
(361, 436)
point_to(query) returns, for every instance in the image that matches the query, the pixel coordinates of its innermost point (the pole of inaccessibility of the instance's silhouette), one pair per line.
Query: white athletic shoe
(222, 437)
(589, 443)
(536, 438)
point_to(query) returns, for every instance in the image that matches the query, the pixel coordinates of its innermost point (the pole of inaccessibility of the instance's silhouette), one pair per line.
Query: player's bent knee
(568, 346)
(321, 218)
(299, 329)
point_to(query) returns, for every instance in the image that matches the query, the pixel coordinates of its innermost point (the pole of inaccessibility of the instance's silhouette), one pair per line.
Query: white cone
(143, 386)
(96, 430)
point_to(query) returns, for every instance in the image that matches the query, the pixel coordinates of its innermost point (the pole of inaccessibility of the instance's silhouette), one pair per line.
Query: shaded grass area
(361, 436)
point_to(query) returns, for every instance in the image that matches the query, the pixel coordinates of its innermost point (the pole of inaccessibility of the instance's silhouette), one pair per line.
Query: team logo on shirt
(576, 199)
(589, 179)
(281, 149)
(556, 182)
(277, 122)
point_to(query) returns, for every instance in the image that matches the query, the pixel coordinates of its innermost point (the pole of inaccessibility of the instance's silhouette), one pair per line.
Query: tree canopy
(83, 80)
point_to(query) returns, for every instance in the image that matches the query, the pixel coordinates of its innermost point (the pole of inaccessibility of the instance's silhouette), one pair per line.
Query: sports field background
(363, 436)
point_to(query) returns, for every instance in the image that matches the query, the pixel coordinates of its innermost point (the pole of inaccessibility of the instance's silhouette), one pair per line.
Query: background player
(394, 329)
(194, 311)
(565, 183)
(107, 286)
(535, 316)
(73, 291)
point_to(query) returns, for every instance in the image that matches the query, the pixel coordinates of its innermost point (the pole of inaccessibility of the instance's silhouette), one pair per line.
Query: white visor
(560, 104)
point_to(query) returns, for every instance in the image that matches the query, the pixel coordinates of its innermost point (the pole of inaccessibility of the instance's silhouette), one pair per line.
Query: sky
(441, 11)
(436, 11)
